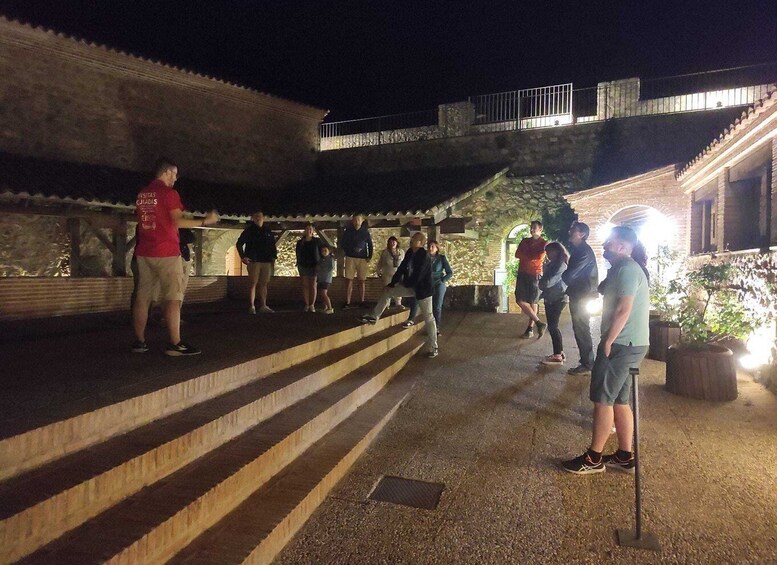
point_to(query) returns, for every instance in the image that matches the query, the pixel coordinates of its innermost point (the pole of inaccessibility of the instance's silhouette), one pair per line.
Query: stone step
(33, 448)
(160, 520)
(257, 530)
(67, 492)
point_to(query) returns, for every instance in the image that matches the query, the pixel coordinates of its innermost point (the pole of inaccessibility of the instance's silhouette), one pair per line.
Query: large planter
(706, 374)
(662, 335)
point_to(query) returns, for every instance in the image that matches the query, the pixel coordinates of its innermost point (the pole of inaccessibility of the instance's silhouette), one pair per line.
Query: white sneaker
(329, 311)
(432, 354)
(252, 310)
(266, 310)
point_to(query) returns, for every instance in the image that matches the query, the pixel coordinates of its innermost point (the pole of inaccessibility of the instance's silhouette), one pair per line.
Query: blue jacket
(324, 269)
(415, 271)
(551, 283)
(582, 274)
(441, 269)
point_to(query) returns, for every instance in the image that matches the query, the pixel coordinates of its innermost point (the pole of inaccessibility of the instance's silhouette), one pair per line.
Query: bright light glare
(604, 231)
(657, 230)
(594, 306)
(759, 347)
(749, 362)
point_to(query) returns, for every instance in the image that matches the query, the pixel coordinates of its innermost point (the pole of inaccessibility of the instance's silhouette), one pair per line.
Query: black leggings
(553, 313)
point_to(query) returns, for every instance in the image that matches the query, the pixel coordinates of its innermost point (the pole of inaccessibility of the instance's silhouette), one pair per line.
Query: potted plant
(709, 311)
(664, 329)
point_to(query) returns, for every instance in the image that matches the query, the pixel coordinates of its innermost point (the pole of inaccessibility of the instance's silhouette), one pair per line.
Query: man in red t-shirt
(160, 214)
(530, 254)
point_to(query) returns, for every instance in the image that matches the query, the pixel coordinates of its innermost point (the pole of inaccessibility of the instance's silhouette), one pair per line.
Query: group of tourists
(421, 274)
(572, 277)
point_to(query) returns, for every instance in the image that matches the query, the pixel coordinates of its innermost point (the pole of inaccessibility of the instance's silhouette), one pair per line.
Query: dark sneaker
(432, 354)
(139, 346)
(367, 319)
(347, 306)
(583, 465)
(541, 329)
(613, 462)
(408, 324)
(579, 370)
(363, 305)
(528, 334)
(181, 349)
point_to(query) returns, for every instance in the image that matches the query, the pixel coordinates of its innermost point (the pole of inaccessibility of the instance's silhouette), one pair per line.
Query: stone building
(720, 206)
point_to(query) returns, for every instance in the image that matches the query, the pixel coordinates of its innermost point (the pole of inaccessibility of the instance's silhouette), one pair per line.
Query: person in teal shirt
(441, 274)
(623, 345)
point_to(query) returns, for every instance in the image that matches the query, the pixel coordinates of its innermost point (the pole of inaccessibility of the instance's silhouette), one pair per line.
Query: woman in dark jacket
(308, 256)
(554, 294)
(441, 274)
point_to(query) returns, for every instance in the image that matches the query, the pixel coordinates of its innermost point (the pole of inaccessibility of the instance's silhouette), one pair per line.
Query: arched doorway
(653, 228)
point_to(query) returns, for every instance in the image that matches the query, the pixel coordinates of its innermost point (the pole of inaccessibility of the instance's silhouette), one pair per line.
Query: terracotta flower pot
(662, 335)
(706, 374)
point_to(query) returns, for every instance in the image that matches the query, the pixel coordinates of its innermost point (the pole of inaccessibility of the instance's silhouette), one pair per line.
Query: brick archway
(657, 190)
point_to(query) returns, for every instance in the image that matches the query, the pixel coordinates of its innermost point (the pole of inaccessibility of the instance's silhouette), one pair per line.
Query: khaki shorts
(160, 278)
(356, 268)
(259, 272)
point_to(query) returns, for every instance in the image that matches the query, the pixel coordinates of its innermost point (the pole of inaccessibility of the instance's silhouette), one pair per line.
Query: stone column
(617, 98)
(455, 119)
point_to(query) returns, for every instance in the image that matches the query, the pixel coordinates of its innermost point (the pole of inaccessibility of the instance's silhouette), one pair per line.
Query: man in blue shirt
(625, 339)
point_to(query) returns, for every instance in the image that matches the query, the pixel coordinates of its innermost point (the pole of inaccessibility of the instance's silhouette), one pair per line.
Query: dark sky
(371, 57)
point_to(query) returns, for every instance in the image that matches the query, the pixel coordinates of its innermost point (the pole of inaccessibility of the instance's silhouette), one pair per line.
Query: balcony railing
(559, 105)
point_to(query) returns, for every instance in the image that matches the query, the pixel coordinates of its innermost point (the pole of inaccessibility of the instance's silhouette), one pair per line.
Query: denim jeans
(581, 325)
(438, 297)
(553, 314)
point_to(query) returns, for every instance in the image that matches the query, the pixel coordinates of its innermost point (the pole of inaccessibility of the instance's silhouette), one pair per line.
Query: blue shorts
(610, 379)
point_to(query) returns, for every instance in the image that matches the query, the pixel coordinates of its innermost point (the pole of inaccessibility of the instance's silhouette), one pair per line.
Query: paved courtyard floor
(492, 424)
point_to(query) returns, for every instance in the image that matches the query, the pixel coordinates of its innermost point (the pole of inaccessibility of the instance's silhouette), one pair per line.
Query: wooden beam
(198, 270)
(119, 264)
(74, 231)
(103, 239)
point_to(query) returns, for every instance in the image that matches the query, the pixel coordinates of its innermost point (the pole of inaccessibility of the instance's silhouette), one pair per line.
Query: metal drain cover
(418, 494)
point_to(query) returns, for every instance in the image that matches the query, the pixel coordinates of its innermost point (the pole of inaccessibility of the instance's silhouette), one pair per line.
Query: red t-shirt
(531, 254)
(157, 230)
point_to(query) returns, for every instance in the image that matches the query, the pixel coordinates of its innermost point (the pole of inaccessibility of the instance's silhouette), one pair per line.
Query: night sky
(367, 58)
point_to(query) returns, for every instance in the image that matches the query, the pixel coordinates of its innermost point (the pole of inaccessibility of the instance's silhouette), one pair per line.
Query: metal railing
(558, 105)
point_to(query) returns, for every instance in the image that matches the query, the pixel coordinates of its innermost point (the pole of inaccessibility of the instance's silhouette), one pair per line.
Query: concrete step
(160, 520)
(257, 530)
(33, 448)
(69, 491)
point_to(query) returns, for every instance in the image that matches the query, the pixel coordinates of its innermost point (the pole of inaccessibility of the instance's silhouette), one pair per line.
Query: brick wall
(68, 100)
(659, 190)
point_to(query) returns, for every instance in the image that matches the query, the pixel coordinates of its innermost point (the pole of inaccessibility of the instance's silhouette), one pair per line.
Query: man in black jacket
(413, 279)
(582, 278)
(256, 247)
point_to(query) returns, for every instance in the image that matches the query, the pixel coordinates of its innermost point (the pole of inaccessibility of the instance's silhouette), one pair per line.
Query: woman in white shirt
(390, 259)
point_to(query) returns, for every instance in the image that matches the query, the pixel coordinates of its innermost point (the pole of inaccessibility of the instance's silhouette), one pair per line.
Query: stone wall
(69, 100)
(609, 150)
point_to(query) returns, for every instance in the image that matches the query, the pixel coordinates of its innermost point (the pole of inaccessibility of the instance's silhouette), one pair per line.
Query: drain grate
(418, 494)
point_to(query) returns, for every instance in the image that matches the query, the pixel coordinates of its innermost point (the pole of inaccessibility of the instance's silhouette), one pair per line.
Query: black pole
(637, 485)
(636, 538)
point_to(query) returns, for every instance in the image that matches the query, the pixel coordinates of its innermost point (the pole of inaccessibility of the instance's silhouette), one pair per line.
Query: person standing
(553, 293)
(441, 274)
(356, 244)
(530, 254)
(413, 279)
(324, 271)
(389, 261)
(257, 250)
(160, 215)
(582, 279)
(624, 343)
(308, 257)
